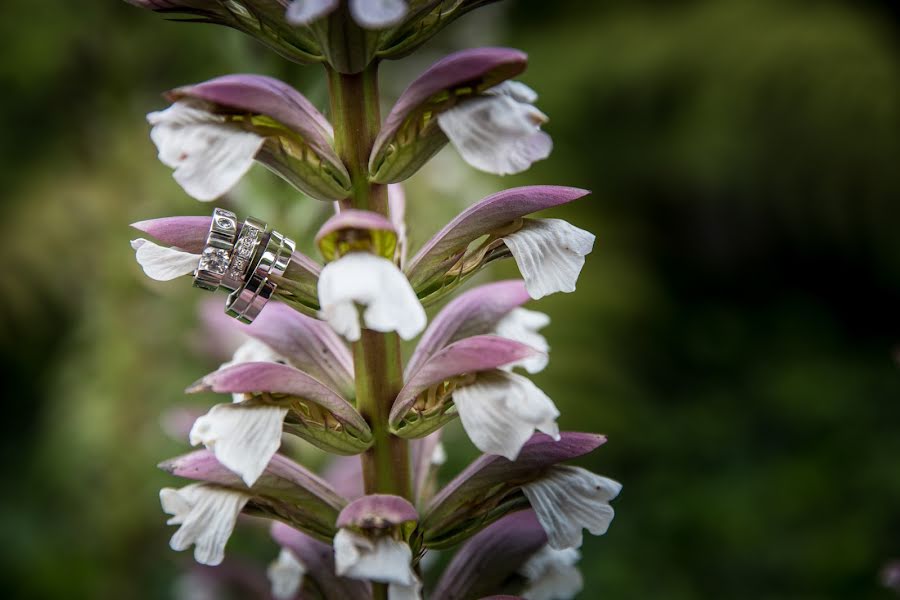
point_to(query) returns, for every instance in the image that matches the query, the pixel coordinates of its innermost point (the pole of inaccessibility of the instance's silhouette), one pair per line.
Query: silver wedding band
(247, 302)
(216, 256)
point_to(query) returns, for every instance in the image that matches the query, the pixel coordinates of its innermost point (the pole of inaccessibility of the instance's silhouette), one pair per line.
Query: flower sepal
(353, 230)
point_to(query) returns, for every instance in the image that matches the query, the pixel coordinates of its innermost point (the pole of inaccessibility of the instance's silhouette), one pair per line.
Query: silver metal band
(246, 303)
(251, 236)
(216, 255)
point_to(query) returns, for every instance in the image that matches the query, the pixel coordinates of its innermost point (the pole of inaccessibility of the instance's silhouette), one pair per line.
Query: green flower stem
(376, 356)
(356, 119)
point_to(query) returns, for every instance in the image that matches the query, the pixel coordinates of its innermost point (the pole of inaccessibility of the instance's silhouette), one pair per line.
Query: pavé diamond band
(252, 233)
(216, 255)
(246, 303)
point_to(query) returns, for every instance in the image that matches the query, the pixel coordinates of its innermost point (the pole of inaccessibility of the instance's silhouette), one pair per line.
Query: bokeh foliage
(734, 332)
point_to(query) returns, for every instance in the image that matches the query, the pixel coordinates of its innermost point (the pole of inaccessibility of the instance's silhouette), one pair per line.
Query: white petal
(243, 435)
(285, 574)
(398, 591)
(522, 325)
(552, 574)
(304, 12)
(569, 499)
(207, 516)
(378, 285)
(499, 132)
(162, 263)
(377, 14)
(501, 410)
(516, 90)
(208, 154)
(550, 254)
(381, 558)
(253, 350)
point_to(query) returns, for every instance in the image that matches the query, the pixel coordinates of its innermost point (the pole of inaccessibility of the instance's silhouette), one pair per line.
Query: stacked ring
(252, 233)
(246, 303)
(216, 255)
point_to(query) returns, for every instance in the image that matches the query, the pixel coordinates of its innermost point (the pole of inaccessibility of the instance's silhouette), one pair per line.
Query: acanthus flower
(215, 130)
(370, 544)
(362, 275)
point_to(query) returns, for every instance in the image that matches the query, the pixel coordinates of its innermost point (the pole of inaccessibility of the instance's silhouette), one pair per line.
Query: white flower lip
(500, 131)
(360, 278)
(206, 515)
(522, 325)
(208, 154)
(161, 263)
(303, 12)
(500, 411)
(377, 14)
(243, 435)
(552, 574)
(550, 254)
(379, 558)
(569, 499)
(285, 575)
(371, 14)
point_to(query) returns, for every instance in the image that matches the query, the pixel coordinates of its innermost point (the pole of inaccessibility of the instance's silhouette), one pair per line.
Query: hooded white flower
(162, 263)
(522, 325)
(286, 575)
(371, 14)
(375, 283)
(568, 499)
(499, 132)
(550, 254)
(500, 411)
(243, 435)
(207, 515)
(209, 154)
(380, 558)
(552, 574)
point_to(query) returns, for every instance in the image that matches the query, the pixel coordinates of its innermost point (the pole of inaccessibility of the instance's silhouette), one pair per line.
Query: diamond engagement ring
(245, 304)
(216, 254)
(252, 233)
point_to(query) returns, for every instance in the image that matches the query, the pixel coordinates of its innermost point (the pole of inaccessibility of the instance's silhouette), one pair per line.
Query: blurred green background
(734, 332)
